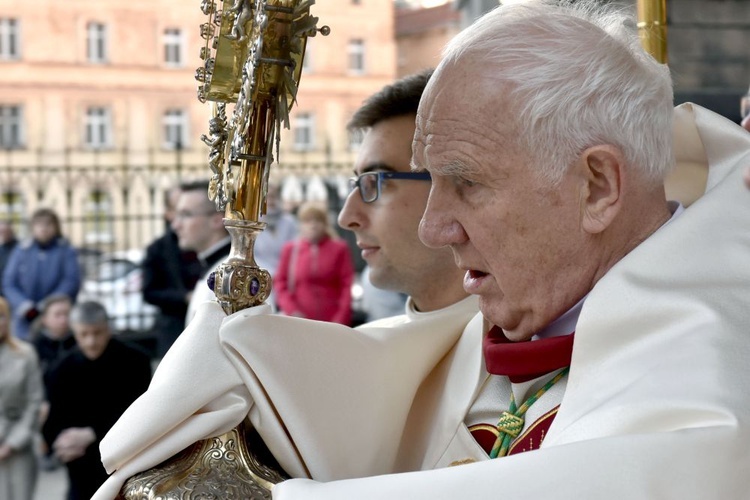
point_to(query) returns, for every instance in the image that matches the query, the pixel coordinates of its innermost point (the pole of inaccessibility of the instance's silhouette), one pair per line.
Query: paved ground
(52, 485)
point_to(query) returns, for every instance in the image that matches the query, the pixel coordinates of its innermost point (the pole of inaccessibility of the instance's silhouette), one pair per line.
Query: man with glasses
(402, 360)
(200, 228)
(388, 199)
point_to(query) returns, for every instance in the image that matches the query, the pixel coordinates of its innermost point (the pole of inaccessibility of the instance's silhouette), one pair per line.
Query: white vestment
(656, 404)
(302, 371)
(655, 407)
(201, 292)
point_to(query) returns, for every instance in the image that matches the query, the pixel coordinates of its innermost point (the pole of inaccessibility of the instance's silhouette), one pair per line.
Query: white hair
(576, 76)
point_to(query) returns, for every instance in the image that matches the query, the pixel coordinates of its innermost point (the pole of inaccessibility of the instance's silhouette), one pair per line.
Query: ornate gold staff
(252, 58)
(652, 27)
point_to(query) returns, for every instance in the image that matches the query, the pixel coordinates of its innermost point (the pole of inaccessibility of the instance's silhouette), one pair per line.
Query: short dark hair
(201, 185)
(398, 99)
(89, 313)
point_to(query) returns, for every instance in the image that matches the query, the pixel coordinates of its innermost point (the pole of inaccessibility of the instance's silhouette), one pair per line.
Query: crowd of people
(562, 318)
(64, 388)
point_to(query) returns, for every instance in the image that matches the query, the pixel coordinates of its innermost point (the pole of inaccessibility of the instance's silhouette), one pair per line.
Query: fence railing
(111, 205)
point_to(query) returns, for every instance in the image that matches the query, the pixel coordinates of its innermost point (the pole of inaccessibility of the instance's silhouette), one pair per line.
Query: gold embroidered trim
(533, 426)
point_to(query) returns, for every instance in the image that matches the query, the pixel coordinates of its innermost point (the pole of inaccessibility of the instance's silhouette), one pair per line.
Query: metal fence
(111, 205)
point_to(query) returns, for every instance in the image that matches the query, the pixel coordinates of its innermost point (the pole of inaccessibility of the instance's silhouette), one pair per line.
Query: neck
(438, 297)
(212, 247)
(653, 213)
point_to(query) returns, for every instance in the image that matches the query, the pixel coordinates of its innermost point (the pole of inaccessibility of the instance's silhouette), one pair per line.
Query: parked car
(115, 281)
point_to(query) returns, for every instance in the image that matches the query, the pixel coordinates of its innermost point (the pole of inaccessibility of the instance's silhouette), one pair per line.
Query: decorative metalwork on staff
(252, 59)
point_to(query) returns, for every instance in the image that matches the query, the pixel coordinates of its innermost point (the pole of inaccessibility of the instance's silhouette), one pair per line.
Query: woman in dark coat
(44, 265)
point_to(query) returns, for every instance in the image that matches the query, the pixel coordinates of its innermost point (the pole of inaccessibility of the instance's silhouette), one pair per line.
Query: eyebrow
(455, 167)
(458, 168)
(376, 167)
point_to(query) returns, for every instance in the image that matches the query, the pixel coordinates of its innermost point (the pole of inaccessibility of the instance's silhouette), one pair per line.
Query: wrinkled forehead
(461, 105)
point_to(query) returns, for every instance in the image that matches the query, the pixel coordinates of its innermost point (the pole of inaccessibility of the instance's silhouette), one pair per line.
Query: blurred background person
(20, 399)
(53, 339)
(169, 277)
(315, 272)
(52, 335)
(39, 267)
(88, 390)
(200, 228)
(281, 228)
(8, 242)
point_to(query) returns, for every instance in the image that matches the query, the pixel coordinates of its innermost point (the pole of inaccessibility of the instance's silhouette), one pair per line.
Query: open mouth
(474, 274)
(475, 281)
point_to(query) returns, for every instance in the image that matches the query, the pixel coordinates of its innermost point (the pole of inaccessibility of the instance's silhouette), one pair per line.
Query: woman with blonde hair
(21, 395)
(315, 271)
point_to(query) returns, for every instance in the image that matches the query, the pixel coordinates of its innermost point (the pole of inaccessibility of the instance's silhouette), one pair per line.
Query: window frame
(10, 123)
(174, 45)
(304, 124)
(356, 56)
(97, 43)
(175, 121)
(10, 38)
(97, 128)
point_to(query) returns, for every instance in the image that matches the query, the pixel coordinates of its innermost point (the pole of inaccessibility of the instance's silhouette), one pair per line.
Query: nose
(352, 215)
(175, 223)
(439, 226)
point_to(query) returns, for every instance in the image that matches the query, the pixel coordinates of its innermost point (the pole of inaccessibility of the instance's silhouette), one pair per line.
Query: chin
(517, 335)
(498, 316)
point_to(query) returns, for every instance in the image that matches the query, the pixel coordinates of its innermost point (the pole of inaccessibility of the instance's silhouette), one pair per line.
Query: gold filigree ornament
(252, 59)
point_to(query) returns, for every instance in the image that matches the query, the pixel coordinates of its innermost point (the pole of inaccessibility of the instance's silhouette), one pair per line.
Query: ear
(601, 195)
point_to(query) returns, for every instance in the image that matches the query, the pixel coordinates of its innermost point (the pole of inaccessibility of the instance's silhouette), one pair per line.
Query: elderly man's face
(92, 339)
(517, 237)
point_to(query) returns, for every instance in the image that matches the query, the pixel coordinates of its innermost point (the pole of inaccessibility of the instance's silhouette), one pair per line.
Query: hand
(72, 443)
(31, 314)
(5, 451)
(747, 177)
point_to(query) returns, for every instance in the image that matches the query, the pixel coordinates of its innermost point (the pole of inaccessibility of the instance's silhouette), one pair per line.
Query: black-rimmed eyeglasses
(369, 183)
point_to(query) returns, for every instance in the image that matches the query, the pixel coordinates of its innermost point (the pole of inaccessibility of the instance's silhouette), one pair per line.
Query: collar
(675, 208)
(524, 361)
(217, 248)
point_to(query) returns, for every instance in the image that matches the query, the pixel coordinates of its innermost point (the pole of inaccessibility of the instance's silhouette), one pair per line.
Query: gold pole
(253, 58)
(652, 27)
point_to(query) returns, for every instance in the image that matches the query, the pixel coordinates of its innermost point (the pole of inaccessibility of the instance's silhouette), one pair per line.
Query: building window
(173, 42)
(174, 123)
(304, 131)
(96, 42)
(98, 217)
(97, 128)
(9, 38)
(356, 51)
(11, 127)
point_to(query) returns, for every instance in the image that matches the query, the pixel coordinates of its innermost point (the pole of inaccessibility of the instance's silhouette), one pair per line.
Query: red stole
(521, 362)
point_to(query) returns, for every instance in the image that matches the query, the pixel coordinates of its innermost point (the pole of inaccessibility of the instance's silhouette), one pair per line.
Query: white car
(115, 281)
